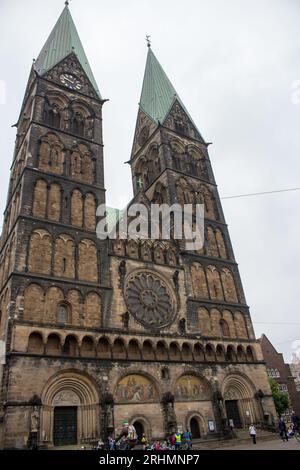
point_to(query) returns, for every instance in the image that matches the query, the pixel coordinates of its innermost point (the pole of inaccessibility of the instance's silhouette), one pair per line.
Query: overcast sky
(234, 64)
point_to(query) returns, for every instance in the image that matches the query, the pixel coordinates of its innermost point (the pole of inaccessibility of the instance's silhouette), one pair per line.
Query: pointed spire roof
(63, 40)
(158, 94)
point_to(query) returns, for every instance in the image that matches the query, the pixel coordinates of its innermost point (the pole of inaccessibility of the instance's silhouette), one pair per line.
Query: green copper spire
(158, 94)
(63, 40)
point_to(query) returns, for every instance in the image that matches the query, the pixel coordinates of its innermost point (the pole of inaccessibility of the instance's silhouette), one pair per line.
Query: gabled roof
(63, 40)
(158, 94)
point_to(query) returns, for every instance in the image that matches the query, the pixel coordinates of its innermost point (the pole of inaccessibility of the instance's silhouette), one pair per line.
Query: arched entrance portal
(70, 410)
(139, 427)
(240, 403)
(195, 428)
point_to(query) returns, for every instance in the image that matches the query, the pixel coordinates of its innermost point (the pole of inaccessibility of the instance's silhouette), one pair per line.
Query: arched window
(165, 374)
(54, 116)
(224, 328)
(78, 123)
(62, 313)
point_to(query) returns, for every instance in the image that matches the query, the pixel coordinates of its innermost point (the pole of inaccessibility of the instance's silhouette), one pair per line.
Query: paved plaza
(292, 444)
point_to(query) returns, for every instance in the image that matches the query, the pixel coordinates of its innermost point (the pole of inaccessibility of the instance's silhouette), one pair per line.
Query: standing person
(252, 432)
(144, 441)
(157, 445)
(173, 440)
(282, 430)
(177, 440)
(187, 436)
(111, 443)
(295, 421)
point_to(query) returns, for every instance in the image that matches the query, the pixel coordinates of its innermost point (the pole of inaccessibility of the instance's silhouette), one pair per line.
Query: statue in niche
(35, 419)
(108, 414)
(170, 412)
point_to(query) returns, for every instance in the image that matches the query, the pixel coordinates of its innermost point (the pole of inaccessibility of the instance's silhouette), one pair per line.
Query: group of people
(128, 439)
(284, 432)
(174, 442)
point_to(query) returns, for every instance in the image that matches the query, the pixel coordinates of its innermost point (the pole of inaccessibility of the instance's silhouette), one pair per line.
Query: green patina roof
(158, 93)
(63, 40)
(112, 217)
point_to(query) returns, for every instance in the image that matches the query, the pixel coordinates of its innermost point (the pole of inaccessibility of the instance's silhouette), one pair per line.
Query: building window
(273, 373)
(283, 387)
(62, 314)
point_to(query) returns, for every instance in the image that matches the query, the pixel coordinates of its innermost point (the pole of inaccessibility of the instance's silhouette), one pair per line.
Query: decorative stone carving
(108, 414)
(169, 413)
(35, 419)
(71, 64)
(149, 300)
(231, 394)
(66, 397)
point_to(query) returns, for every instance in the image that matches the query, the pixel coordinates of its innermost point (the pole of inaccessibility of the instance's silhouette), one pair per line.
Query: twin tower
(96, 331)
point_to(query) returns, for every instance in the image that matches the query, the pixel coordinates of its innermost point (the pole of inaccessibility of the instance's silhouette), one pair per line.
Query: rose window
(149, 300)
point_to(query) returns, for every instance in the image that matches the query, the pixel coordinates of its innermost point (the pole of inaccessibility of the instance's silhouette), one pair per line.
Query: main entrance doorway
(232, 411)
(195, 429)
(139, 429)
(65, 425)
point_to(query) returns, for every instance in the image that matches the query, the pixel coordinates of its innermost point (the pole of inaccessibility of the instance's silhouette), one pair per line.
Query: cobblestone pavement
(292, 444)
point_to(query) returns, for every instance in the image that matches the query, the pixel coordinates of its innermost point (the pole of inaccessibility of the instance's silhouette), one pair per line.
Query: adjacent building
(283, 374)
(295, 370)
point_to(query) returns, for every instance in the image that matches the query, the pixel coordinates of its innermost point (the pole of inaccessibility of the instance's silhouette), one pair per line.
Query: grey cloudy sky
(233, 63)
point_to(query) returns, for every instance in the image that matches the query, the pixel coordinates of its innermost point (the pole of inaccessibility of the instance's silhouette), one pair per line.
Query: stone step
(235, 441)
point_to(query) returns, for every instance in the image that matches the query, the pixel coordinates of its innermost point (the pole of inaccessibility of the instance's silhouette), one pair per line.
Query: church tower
(170, 164)
(52, 269)
(93, 331)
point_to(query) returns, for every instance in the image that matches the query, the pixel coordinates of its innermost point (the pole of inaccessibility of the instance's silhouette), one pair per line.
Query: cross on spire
(140, 183)
(148, 40)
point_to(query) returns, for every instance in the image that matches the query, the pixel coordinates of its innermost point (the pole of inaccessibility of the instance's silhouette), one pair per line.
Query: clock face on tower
(70, 81)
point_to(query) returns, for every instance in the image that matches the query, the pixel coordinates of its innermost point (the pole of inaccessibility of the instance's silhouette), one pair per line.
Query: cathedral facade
(96, 331)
